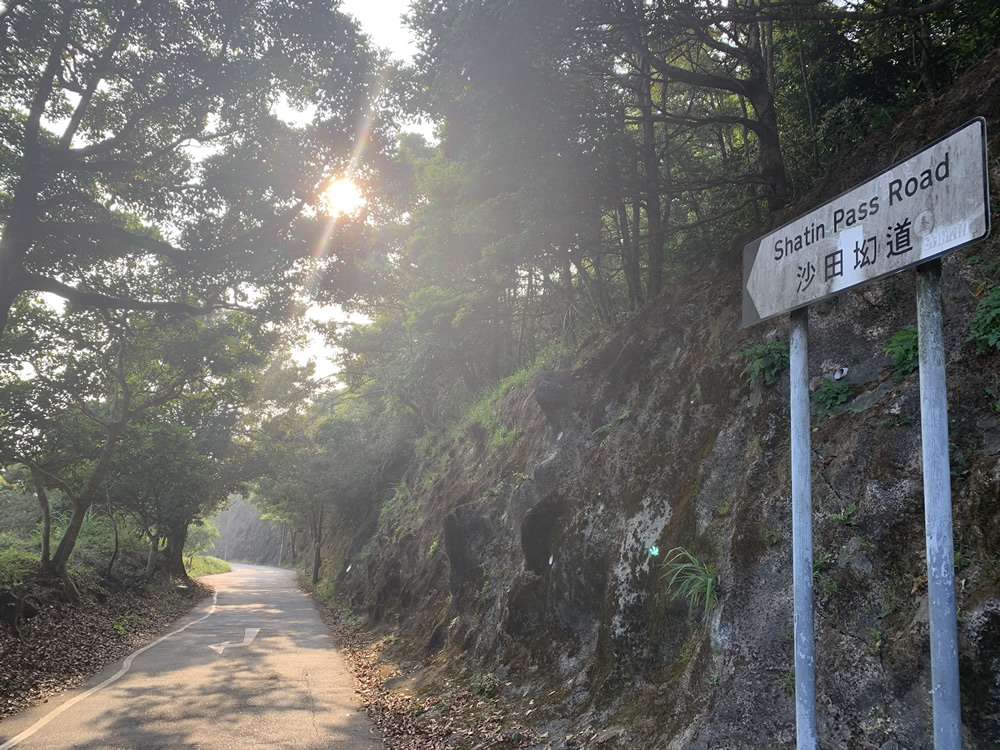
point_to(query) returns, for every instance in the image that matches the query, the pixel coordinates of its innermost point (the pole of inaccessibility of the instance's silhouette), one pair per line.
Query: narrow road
(255, 668)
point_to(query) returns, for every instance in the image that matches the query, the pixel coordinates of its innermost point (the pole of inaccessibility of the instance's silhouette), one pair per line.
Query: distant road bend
(253, 668)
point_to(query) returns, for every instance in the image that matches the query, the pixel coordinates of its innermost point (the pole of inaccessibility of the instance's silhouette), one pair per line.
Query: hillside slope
(529, 553)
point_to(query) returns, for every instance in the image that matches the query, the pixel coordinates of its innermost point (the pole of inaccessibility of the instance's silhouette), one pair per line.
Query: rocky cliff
(534, 555)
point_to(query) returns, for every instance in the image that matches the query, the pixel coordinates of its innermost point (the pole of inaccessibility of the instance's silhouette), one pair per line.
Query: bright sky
(382, 21)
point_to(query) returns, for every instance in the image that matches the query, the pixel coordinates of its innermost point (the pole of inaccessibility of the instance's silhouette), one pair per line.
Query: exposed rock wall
(540, 561)
(245, 537)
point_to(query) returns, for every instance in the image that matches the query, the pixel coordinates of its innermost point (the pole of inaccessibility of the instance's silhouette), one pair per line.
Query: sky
(382, 21)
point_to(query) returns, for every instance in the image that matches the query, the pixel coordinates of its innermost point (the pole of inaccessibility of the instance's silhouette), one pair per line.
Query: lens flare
(343, 198)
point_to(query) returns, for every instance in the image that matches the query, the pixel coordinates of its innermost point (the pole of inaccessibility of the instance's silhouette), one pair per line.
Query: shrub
(765, 362)
(203, 565)
(903, 349)
(16, 565)
(829, 395)
(984, 328)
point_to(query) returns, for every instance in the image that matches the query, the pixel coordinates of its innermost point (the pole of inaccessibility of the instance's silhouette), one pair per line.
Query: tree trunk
(43, 502)
(114, 528)
(630, 260)
(154, 547)
(83, 501)
(566, 279)
(769, 159)
(317, 544)
(651, 176)
(173, 554)
(759, 91)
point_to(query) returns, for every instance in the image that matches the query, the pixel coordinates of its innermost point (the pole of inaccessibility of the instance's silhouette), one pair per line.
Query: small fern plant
(693, 580)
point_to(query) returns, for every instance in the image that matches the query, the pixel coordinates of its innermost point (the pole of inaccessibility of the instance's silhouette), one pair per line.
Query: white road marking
(248, 635)
(114, 678)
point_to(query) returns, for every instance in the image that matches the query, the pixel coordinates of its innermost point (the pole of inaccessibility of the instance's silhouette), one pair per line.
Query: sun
(342, 197)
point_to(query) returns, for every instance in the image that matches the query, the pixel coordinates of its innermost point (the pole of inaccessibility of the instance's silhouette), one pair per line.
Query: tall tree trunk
(769, 158)
(82, 503)
(154, 548)
(317, 545)
(630, 260)
(759, 91)
(43, 502)
(566, 278)
(651, 176)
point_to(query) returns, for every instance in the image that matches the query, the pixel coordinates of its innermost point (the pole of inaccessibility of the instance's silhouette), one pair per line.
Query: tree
(71, 385)
(146, 132)
(201, 536)
(317, 472)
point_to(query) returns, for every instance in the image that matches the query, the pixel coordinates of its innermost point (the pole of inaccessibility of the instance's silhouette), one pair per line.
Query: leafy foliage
(203, 565)
(765, 362)
(130, 90)
(830, 395)
(904, 349)
(984, 328)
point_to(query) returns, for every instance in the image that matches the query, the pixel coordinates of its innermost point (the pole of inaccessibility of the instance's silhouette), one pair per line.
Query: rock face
(541, 561)
(245, 537)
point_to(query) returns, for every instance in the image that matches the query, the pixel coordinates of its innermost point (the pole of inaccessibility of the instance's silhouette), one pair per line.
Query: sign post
(931, 203)
(802, 552)
(937, 511)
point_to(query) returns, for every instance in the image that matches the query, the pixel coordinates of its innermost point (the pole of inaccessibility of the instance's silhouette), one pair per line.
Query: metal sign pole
(937, 511)
(802, 562)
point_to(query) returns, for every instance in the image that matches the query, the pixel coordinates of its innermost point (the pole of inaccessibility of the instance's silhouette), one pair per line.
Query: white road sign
(926, 205)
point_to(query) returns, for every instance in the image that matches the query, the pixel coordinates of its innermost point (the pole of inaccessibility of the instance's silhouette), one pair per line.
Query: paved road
(255, 669)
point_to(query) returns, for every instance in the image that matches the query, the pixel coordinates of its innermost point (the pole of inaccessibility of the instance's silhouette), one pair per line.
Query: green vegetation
(769, 535)
(984, 328)
(605, 429)
(786, 681)
(876, 639)
(765, 362)
(690, 579)
(904, 350)
(846, 514)
(631, 150)
(204, 565)
(830, 395)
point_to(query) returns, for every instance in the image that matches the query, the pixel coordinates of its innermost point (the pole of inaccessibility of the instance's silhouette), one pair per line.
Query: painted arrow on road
(248, 637)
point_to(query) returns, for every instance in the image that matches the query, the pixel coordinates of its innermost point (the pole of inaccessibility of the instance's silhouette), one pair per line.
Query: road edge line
(126, 665)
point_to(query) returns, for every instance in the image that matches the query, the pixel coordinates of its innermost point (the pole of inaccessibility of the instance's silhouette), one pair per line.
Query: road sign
(932, 202)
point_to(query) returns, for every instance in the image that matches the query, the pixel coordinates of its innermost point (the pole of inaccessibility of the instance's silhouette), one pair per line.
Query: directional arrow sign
(248, 636)
(931, 203)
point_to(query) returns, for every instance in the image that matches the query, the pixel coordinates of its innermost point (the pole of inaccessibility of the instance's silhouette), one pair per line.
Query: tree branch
(35, 282)
(99, 71)
(108, 232)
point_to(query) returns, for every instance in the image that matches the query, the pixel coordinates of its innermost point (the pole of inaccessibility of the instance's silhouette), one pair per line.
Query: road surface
(255, 668)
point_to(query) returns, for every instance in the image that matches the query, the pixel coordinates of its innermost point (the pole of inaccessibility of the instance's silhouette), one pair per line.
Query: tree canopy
(152, 133)
(162, 165)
